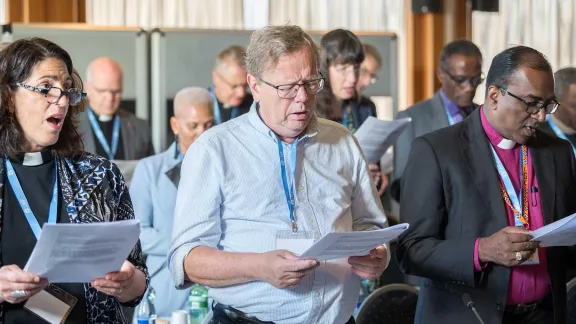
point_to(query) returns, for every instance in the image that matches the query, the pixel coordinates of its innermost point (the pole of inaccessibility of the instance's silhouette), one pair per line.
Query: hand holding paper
(372, 265)
(338, 245)
(82, 252)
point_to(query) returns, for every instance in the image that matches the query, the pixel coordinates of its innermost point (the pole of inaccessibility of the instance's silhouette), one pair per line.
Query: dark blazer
(135, 132)
(362, 109)
(450, 197)
(94, 191)
(427, 116)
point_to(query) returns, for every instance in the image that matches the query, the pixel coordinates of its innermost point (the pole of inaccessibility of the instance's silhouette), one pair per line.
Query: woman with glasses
(45, 177)
(342, 53)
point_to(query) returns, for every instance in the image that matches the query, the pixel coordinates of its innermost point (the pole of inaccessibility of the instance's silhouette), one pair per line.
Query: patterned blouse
(93, 190)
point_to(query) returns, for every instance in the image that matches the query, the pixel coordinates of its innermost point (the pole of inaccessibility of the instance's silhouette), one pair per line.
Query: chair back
(391, 304)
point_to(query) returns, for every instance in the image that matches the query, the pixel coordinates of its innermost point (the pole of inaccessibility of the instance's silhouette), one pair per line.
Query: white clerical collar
(105, 118)
(506, 144)
(33, 159)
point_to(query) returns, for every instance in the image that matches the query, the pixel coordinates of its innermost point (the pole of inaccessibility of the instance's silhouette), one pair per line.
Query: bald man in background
(229, 86)
(153, 191)
(108, 130)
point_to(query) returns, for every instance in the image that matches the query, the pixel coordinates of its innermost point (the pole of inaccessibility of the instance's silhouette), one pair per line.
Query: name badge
(295, 242)
(534, 259)
(51, 304)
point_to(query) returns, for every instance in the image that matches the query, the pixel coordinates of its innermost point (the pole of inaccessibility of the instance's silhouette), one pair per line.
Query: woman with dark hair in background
(342, 54)
(45, 177)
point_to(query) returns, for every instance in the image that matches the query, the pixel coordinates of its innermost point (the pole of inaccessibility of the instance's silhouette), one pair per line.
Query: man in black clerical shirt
(563, 122)
(106, 129)
(229, 87)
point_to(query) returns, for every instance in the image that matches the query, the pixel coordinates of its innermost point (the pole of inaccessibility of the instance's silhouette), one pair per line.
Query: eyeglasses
(53, 94)
(345, 69)
(289, 91)
(233, 86)
(365, 72)
(461, 81)
(534, 107)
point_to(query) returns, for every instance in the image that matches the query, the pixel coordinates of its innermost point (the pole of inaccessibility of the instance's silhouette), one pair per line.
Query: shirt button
(310, 220)
(317, 293)
(300, 188)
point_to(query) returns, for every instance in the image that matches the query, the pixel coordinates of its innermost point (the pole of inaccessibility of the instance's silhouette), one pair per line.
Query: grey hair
(270, 43)
(192, 96)
(234, 53)
(563, 79)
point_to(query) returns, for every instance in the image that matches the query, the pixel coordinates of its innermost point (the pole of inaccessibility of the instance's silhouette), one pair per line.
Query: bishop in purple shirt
(473, 192)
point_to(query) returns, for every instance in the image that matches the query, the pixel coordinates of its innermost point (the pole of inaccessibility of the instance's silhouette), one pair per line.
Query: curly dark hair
(338, 46)
(17, 63)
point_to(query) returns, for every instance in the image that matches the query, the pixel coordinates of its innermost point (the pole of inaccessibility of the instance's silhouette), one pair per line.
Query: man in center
(294, 178)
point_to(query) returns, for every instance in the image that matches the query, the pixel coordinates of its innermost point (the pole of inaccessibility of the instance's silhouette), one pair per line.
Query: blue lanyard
(289, 189)
(514, 199)
(449, 115)
(217, 116)
(32, 221)
(344, 116)
(100, 135)
(559, 133)
(180, 155)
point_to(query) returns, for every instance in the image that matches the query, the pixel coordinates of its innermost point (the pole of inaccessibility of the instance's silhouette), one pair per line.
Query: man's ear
(174, 125)
(494, 95)
(254, 86)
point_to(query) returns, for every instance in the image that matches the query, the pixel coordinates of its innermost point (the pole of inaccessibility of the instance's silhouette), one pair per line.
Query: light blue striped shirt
(231, 198)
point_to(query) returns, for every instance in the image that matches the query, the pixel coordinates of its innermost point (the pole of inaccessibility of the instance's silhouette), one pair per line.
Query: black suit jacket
(451, 197)
(427, 116)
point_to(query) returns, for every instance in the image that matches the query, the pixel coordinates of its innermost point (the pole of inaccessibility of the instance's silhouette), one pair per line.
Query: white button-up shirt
(231, 197)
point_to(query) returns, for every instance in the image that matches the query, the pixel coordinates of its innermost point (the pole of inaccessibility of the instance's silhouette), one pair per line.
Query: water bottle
(146, 313)
(198, 303)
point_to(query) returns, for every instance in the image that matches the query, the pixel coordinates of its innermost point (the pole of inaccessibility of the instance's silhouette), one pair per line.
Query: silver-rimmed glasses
(53, 94)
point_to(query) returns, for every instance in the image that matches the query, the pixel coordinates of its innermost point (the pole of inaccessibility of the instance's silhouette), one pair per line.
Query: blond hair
(270, 43)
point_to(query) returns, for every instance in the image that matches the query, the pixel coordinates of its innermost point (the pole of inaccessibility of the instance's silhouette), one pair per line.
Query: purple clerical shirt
(453, 109)
(528, 283)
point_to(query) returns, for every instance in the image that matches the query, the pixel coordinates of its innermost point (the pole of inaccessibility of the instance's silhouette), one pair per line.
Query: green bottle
(198, 303)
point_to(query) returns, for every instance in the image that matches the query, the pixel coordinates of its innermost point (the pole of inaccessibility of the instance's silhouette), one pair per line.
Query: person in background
(474, 191)
(108, 130)
(341, 55)
(229, 88)
(46, 177)
(563, 122)
(154, 188)
(294, 176)
(460, 73)
(369, 68)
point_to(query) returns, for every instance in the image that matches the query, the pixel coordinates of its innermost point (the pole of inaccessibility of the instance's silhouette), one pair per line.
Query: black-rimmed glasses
(53, 94)
(461, 81)
(289, 91)
(535, 106)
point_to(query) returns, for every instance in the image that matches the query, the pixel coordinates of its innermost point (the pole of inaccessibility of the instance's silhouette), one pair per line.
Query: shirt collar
(257, 122)
(33, 158)
(493, 136)
(452, 108)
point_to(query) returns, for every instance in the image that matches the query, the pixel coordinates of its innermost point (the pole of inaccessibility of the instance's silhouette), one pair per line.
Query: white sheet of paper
(376, 136)
(338, 245)
(296, 246)
(47, 307)
(78, 253)
(559, 233)
(126, 168)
